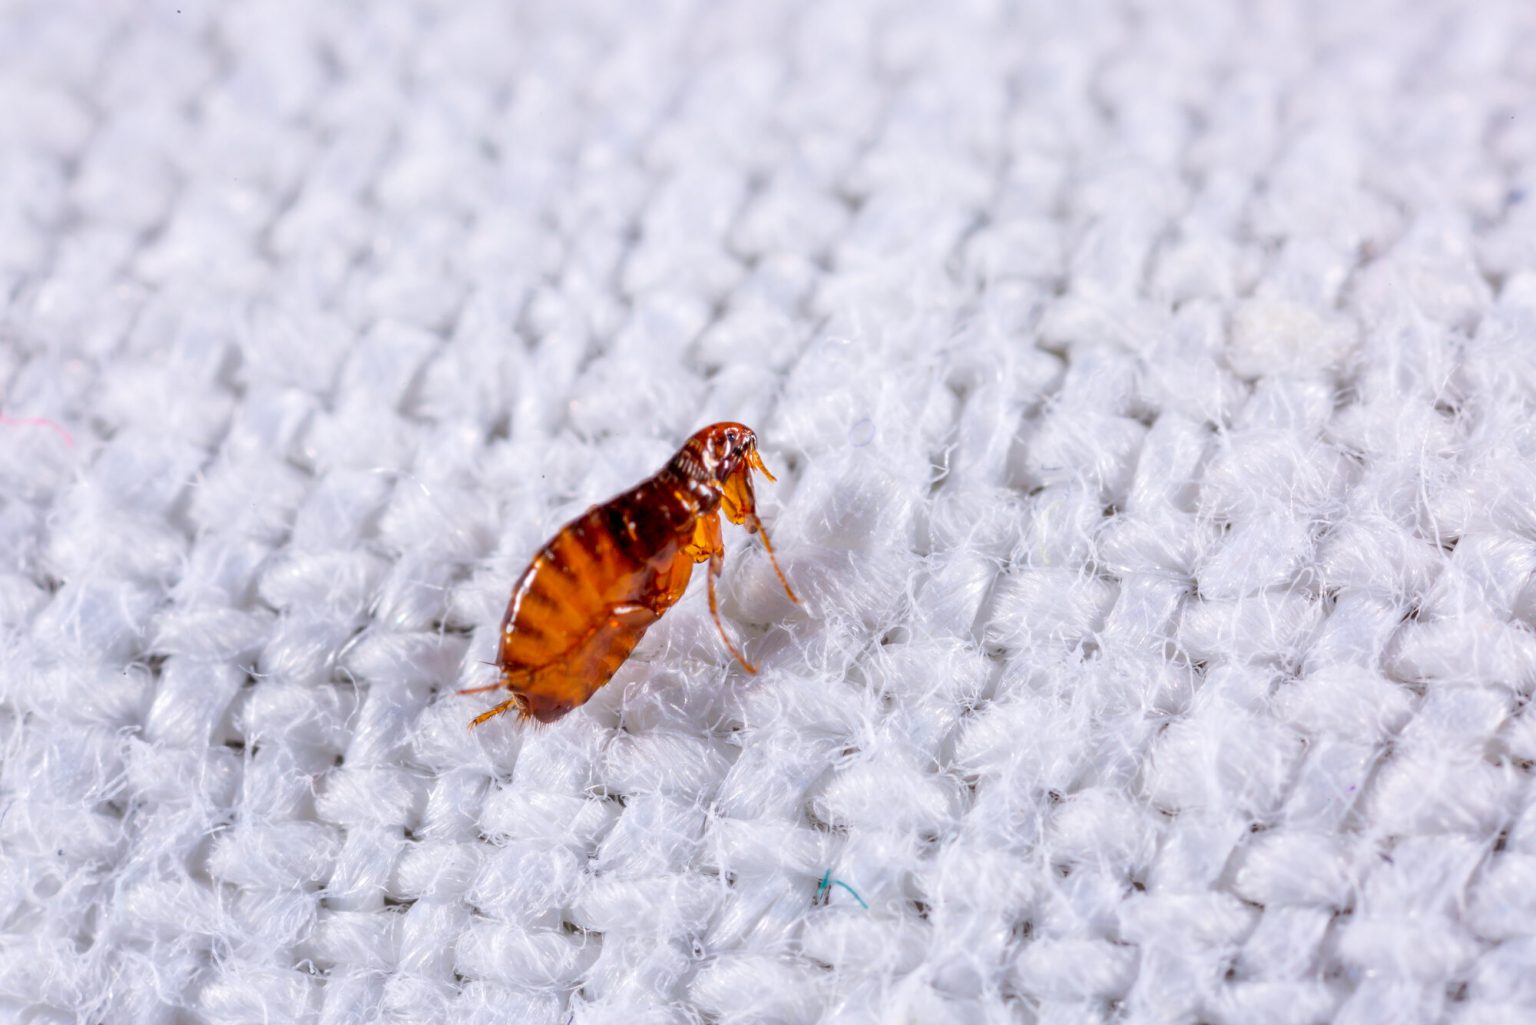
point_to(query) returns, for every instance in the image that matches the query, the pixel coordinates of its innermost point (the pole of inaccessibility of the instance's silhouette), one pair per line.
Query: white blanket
(1151, 391)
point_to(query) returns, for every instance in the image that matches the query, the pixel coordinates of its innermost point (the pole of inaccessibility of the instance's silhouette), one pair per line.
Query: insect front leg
(739, 502)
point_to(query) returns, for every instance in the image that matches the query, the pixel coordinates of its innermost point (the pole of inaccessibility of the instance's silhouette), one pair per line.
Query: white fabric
(1151, 388)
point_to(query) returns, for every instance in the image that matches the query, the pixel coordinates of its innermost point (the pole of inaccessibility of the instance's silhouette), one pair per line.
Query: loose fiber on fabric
(1151, 390)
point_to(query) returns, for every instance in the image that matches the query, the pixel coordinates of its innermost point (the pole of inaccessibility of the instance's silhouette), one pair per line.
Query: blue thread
(851, 890)
(823, 890)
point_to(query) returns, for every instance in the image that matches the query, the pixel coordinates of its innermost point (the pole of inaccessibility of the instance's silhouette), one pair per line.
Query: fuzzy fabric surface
(1151, 389)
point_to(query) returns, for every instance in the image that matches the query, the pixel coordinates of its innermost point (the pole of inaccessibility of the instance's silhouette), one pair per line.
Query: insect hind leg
(513, 702)
(508, 677)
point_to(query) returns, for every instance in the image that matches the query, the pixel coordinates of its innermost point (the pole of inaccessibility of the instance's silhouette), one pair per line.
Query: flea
(594, 588)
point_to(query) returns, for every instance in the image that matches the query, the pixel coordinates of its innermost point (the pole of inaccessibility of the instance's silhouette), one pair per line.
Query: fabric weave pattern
(1150, 388)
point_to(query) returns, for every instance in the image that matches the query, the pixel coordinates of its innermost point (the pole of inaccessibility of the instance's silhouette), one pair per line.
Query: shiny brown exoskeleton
(593, 590)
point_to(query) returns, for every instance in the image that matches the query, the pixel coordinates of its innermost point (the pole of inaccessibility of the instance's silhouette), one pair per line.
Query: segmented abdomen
(567, 614)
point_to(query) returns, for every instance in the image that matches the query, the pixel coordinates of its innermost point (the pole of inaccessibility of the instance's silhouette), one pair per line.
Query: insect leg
(739, 502)
(768, 546)
(505, 681)
(512, 702)
(710, 525)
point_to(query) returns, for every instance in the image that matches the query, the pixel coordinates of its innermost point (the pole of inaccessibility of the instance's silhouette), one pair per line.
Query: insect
(593, 590)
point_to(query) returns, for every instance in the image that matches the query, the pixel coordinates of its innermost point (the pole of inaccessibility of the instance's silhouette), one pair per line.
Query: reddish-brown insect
(593, 590)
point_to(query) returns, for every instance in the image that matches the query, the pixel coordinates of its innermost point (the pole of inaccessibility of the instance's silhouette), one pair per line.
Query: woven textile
(1150, 387)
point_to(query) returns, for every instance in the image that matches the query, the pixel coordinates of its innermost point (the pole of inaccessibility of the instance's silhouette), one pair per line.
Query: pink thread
(38, 421)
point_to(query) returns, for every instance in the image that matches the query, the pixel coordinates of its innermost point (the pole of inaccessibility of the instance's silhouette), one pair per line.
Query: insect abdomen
(595, 588)
(604, 559)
